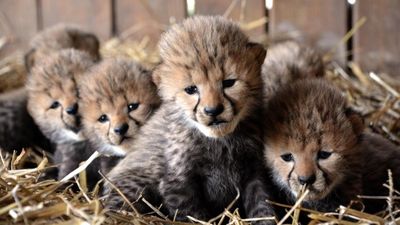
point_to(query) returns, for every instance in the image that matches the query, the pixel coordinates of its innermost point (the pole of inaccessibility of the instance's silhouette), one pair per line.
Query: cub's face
(117, 98)
(319, 167)
(213, 79)
(309, 143)
(53, 94)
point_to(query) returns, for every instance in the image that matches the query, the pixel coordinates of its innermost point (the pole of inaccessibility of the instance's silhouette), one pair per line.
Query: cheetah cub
(17, 128)
(287, 62)
(312, 138)
(58, 37)
(116, 97)
(53, 103)
(203, 144)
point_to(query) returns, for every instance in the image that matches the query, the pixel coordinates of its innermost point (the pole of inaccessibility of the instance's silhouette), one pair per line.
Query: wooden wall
(375, 46)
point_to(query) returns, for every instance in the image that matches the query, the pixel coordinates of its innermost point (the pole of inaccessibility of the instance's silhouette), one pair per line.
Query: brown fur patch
(58, 37)
(55, 80)
(203, 53)
(287, 62)
(303, 119)
(108, 90)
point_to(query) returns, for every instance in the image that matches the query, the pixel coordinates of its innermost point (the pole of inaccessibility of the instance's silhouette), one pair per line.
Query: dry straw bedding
(27, 198)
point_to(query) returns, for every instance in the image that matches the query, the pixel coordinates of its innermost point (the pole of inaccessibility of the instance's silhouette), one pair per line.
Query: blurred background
(373, 40)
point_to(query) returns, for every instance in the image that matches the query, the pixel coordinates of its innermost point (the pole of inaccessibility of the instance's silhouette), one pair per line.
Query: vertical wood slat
(316, 22)
(377, 42)
(19, 16)
(93, 15)
(254, 10)
(147, 18)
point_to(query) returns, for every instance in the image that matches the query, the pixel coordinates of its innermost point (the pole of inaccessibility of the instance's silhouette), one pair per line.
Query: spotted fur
(121, 91)
(306, 120)
(17, 128)
(52, 92)
(58, 37)
(193, 165)
(287, 62)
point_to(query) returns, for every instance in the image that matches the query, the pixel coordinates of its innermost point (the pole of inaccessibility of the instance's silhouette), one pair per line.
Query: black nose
(121, 130)
(307, 179)
(72, 110)
(214, 111)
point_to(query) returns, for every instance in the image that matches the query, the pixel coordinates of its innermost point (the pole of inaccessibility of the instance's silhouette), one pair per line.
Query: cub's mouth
(216, 122)
(120, 141)
(72, 126)
(124, 138)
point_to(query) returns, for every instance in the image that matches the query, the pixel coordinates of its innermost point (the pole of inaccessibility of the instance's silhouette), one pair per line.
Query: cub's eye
(323, 154)
(54, 105)
(228, 83)
(191, 90)
(287, 157)
(132, 106)
(103, 118)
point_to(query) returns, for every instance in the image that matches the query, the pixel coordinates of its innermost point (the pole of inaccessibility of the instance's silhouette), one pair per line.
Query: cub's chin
(116, 150)
(217, 129)
(313, 194)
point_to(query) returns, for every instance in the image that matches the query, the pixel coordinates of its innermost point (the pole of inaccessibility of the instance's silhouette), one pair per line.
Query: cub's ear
(257, 52)
(156, 75)
(89, 43)
(356, 120)
(29, 60)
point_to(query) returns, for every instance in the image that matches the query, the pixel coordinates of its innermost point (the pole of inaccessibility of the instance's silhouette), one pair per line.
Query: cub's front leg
(255, 194)
(183, 197)
(134, 185)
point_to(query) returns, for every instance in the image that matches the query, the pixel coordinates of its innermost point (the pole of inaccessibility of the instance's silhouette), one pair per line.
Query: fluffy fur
(312, 132)
(287, 62)
(18, 129)
(123, 93)
(58, 37)
(53, 103)
(197, 161)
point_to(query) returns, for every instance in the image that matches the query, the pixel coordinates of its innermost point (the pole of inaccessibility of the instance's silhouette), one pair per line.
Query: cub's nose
(308, 180)
(121, 130)
(214, 111)
(72, 110)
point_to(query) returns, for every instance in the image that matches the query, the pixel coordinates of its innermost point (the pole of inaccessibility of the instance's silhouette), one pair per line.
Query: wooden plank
(253, 10)
(377, 43)
(315, 22)
(93, 15)
(18, 22)
(140, 18)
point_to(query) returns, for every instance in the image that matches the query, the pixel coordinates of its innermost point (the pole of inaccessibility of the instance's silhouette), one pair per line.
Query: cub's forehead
(306, 108)
(115, 77)
(202, 38)
(59, 68)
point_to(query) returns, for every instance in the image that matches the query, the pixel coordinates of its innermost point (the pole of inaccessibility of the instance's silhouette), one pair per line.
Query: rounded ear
(156, 75)
(257, 52)
(29, 59)
(87, 42)
(356, 120)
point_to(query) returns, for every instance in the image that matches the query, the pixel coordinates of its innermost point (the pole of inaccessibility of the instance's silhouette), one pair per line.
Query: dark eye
(323, 154)
(287, 157)
(132, 106)
(103, 118)
(54, 105)
(228, 83)
(191, 90)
